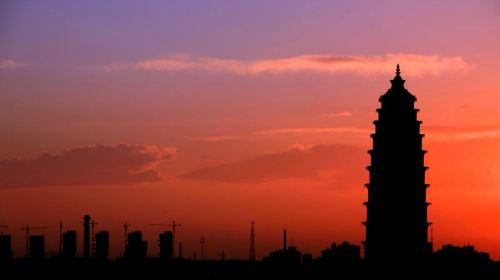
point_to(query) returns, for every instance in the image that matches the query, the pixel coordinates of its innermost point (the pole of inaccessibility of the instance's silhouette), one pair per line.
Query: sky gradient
(216, 113)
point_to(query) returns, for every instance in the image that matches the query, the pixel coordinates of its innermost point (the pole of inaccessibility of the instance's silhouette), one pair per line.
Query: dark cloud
(344, 160)
(94, 165)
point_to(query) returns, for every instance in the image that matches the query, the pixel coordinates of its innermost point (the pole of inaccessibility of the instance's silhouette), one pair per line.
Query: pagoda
(396, 224)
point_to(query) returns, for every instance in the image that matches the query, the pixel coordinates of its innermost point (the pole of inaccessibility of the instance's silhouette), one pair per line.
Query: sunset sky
(216, 113)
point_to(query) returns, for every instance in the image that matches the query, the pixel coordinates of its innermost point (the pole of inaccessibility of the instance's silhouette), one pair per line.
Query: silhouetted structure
(125, 231)
(461, 255)
(69, 244)
(37, 247)
(28, 229)
(344, 253)
(174, 225)
(202, 242)
(396, 225)
(102, 245)
(180, 251)
(136, 247)
(166, 245)
(288, 256)
(93, 223)
(284, 239)
(5, 247)
(60, 238)
(86, 236)
(252, 243)
(222, 255)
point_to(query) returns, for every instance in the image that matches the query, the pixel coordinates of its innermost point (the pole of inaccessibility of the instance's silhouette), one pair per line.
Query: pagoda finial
(398, 82)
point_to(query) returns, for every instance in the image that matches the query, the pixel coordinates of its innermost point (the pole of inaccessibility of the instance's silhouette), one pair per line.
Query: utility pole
(252, 243)
(222, 255)
(202, 241)
(284, 239)
(60, 238)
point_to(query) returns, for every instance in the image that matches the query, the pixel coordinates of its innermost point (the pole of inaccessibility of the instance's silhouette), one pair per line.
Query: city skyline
(215, 115)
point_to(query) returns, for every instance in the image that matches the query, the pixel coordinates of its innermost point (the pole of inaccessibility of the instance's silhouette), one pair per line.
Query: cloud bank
(458, 133)
(345, 161)
(412, 64)
(343, 114)
(9, 64)
(313, 130)
(94, 165)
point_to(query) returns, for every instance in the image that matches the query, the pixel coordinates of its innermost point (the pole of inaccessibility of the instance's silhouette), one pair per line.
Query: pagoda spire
(398, 82)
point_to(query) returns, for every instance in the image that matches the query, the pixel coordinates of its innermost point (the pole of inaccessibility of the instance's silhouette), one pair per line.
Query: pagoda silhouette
(396, 224)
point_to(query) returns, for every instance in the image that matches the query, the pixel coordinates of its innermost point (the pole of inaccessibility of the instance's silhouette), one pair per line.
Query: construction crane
(202, 241)
(125, 231)
(27, 228)
(93, 223)
(222, 255)
(173, 225)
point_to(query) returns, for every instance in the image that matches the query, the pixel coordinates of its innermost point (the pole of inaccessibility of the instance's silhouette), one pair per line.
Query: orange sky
(257, 111)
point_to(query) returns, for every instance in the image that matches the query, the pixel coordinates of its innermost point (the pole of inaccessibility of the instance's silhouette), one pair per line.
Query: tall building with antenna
(396, 224)
(86, 236)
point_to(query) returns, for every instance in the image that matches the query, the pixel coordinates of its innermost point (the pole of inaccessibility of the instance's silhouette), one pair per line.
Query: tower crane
(174, 225)
(28, 229)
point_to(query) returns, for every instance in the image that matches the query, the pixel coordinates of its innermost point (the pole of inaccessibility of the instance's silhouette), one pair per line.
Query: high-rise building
(86, 236)
(396, 224)
(69, 244)
(37, 246)
(136, 247)
(5, 247)
(102, 245)
(166, 245)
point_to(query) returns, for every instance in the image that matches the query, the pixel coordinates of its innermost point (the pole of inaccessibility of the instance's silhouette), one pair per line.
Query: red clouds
(296, 163)
(94, 165)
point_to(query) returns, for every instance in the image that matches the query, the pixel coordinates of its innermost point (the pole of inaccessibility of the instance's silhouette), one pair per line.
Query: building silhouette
(86, 236)
(102, 245)
(344, 253)
(5, 247)
(166, 245)
(37, 246)
(136, 247)
(288, 256)
(69, 244)
(464, 255)
(396, 224)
